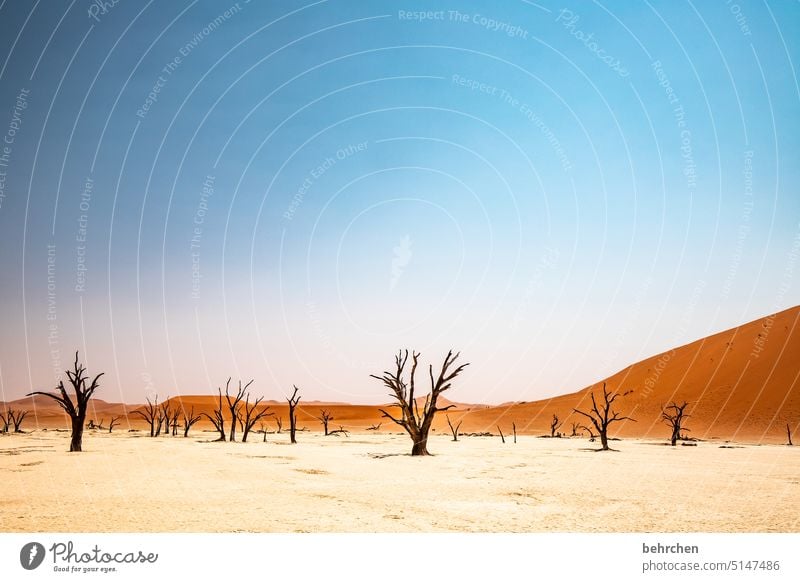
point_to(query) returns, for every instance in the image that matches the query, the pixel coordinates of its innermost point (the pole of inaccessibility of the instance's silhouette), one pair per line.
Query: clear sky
(291, 191)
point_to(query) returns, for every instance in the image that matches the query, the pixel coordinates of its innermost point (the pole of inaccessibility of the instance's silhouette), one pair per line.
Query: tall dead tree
(293, 400)
(16, 417)
(114, 422)
(234, 404)
(453, 429)
(673, 416)
(218, 420)
(325, 417)
(150, 414)
(174, 421)
(189, 420)
(163, 419)
(415, 422)
(76, 410)
(252, 415)
(555, 424)
(602, 415)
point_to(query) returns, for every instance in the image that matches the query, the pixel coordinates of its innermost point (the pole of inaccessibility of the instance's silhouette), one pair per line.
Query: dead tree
(502, 438)
(789, 434)
(4, 420)
(150, 414)
(114, 422)
(189, 420)
(555, 424)
(235, 404)
(514, 428)
(575, 427)
(602, 416)
(279, 422)
(673, 416)
(325, 417)
(374, 426)
(252, 416)
(76, 410)
(453, 429)
(174, 421)
(589, 430)
(415, 422)
(340, 430)
(163, 419)
(218, 420)
(16, 417)
(293, 400)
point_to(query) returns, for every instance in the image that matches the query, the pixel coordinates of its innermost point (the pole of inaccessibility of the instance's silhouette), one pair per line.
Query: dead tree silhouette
(76, 410)
(150, 414)
(454, 429)
(674, 415)
(293, 400)
(555, 424)
(325, 417)
(603, 416)
(163, 419)
(789, 434)
(15, 417)
(415, 422)
(174, 421)
(575, 427)
(114, 422)
(218, 420)
(502, 437)
(514, 430)
(279, 423)
(189, 420)
(340, 430)
(5, 422)
(252, 416)
(374, 426)
(235, 404)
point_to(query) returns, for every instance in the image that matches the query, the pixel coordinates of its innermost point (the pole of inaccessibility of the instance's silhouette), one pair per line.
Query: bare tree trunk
(514, 428)
(789, 434)
(604, 440)
(502, 438)
(76, 442)
(420, 448)
(293, 400)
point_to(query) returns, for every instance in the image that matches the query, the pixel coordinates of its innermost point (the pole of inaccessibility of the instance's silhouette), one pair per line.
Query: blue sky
(291, 191)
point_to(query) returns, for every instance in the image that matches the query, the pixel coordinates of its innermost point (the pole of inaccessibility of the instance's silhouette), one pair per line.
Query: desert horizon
(741, 384)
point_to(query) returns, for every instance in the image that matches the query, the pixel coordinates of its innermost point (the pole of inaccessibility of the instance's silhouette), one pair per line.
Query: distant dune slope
(741, 384)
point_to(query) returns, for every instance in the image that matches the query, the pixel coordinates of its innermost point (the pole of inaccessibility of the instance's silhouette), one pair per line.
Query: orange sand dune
(742, 384)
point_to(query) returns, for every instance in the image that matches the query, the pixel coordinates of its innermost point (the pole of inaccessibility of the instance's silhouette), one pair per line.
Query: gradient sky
(555, 189)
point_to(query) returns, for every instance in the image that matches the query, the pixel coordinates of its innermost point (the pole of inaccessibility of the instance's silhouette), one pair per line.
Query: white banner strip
(400, 557)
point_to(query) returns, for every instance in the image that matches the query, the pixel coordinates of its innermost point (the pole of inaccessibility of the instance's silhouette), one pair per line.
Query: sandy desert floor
(368, 483)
